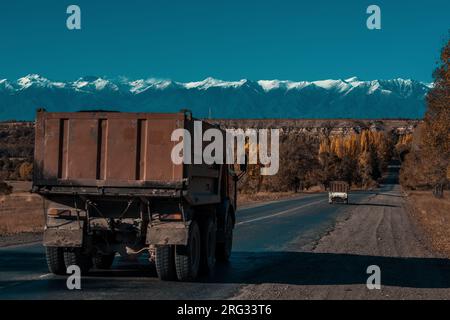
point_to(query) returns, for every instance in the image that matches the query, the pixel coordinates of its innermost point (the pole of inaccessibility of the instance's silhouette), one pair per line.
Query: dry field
(21, 211)
(433, 217)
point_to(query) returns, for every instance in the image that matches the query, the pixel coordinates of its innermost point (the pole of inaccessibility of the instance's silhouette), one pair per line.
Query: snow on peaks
(268, 85)
(340, 85)
(94, 83)
(33, 79)
(101, 84)
(352, 79)
(211, 82)
(5, 84)
(141, 85)
(332, 84)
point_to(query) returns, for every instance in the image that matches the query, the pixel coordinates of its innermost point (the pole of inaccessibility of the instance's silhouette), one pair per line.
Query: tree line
(427, 152)
(308, 161)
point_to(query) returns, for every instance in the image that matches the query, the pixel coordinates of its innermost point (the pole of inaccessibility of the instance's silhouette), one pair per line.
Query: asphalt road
(262, 232)
(297, 248)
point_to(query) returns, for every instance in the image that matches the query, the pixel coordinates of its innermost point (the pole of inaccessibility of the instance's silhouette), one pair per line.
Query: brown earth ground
(20, 214)
(433, 217)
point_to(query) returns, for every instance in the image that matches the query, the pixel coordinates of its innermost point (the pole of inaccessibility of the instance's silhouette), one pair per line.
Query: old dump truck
(338, 192)
(110, 186)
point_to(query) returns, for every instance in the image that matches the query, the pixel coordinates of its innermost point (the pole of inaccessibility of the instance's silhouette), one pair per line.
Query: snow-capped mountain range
(349, 98)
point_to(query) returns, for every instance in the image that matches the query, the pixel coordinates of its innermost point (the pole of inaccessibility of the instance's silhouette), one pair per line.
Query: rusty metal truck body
(110, 186)
(338, 192)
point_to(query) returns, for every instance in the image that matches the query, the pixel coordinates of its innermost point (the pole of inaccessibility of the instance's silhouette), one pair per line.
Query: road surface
(301, 248)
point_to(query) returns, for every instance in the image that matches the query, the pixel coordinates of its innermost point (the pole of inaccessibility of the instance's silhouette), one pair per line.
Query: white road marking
(280, 213)
(45, 275)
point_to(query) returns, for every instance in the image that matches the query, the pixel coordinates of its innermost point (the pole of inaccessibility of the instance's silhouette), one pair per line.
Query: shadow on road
(303, 268)
(22, 261)
(295, 268)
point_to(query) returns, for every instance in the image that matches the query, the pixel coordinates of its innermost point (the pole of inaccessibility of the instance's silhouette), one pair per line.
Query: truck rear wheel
(103, 261)
(223, 249)
(55, 260)
(187, 258)
(165, 262)
(208, 255)
(75, 256)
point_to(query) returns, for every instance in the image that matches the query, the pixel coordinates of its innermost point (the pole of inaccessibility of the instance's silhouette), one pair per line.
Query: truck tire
(75, 256)
(165, 262)
(187, 258)
(55, 260)
(208, 245)
(103, 261)
(223, 249)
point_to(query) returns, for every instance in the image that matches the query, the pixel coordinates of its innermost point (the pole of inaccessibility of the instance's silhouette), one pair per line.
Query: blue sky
(230, 40)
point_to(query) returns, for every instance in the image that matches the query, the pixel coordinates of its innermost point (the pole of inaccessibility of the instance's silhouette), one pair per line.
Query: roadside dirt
(433, 217)
(20, 212)
(245, 199)
(378, 232)
(20, 238)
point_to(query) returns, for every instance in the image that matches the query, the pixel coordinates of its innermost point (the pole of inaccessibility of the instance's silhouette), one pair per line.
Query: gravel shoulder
(433, 217)
(379, 232)
(19, 239)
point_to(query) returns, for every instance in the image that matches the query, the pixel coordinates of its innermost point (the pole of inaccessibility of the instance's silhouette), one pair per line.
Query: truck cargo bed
(119, 154)
(105, 149)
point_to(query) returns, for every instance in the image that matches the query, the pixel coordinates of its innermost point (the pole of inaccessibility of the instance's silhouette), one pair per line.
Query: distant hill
(349, 98)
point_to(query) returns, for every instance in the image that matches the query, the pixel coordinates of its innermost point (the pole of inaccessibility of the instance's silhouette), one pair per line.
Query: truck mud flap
(65, 234)
(168, 233)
